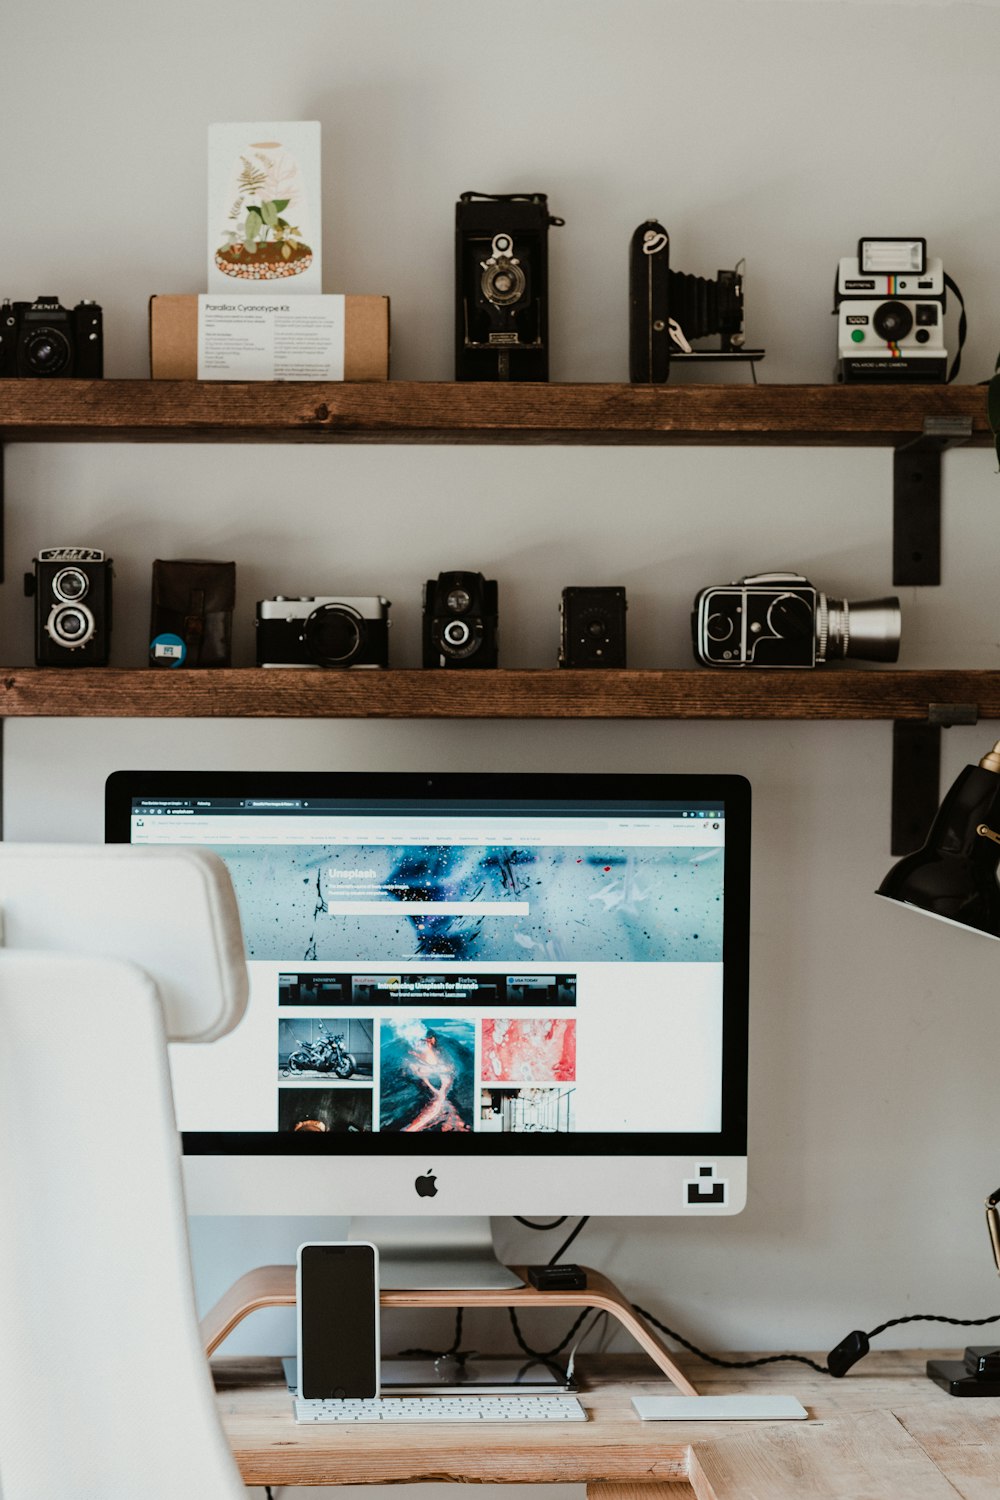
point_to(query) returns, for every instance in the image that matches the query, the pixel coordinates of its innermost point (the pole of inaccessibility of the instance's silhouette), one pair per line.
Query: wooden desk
(884, 1432)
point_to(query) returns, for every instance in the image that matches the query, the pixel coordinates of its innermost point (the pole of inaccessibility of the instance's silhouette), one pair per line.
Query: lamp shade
(954, 875)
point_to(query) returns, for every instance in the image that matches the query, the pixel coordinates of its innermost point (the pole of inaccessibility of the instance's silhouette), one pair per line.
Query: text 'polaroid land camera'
(780, 620)
(322, 632)
(889, 305)
(71, 587)
(43, 339)
(502, 286)
(460, 621)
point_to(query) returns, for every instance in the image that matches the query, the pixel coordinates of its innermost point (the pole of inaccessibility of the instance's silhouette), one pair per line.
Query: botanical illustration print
(263, 240)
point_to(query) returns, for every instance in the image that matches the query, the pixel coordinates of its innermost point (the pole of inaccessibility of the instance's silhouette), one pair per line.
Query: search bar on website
(428, 908)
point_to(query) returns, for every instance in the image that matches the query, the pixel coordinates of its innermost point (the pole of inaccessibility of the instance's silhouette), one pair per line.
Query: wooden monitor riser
(274, 1286)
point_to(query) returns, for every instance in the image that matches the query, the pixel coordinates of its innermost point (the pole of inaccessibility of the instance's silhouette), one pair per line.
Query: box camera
(43, 339)
(667, 309)
(322, 631)
(501, 286)
(592, 627)
(71, 587)
(460, 621)
(781, 620)
(889, 304)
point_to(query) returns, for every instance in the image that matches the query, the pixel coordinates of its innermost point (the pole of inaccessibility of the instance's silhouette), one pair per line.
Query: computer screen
(470, 993)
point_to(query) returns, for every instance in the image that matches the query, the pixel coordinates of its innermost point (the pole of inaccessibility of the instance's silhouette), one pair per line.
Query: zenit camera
(890, 305)
(501, 286)
(321, 631)
(71, 587)
(781, 620)
(460, 621)
(43, 339)
(593, 627)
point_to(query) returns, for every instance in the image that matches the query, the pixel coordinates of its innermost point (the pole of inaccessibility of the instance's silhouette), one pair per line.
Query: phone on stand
(336, 1299)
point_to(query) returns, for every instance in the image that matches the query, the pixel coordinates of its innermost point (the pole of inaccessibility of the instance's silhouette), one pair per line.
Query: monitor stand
(435, 1254)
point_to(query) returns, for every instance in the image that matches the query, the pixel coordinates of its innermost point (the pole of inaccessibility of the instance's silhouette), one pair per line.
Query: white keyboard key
(444, 1409)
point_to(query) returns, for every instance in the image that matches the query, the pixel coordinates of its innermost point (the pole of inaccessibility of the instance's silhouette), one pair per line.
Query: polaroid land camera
(889, 304)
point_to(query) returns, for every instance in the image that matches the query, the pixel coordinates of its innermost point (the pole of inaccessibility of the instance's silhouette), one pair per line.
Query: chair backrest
(105, 1393)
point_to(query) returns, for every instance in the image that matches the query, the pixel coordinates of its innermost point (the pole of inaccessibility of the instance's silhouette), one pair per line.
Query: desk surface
(882, 1431)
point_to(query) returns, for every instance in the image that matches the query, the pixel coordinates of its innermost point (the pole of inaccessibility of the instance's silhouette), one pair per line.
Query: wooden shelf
(827, 693)
(429, 412)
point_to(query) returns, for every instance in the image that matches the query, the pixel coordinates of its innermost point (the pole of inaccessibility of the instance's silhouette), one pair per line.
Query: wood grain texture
(436, 412)
(827, 693)
(274, 1286)
(883, 1433)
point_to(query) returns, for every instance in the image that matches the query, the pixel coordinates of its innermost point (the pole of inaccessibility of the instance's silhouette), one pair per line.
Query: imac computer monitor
(470, 994)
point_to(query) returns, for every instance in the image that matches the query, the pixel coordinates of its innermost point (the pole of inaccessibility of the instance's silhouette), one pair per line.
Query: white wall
(780, 131)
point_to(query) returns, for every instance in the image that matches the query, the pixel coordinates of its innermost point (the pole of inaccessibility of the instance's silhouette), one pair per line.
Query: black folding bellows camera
(501, 286)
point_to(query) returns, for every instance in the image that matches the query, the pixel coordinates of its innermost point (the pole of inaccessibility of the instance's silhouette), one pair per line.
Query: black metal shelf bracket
(916, 499)
(916, 771)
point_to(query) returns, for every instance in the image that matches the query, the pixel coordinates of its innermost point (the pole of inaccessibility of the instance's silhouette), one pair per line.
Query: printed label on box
(271, 338)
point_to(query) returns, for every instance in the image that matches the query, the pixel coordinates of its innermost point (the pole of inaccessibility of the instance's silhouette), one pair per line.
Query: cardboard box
(173, 338)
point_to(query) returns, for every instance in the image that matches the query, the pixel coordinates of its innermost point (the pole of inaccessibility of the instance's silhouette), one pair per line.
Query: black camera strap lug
(916, 500)
(916, 771)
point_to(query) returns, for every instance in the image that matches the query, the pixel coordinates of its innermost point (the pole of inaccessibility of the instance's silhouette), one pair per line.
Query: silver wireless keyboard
(444, 1409)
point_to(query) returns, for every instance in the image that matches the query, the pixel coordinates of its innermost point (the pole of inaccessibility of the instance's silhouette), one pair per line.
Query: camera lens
(333, 634)
(597, 630)
(503, 283)
(70, 584)
(456, 634)
(70, 625)
(46, 351)
(458, 601)
(719, 627)
(892, 321)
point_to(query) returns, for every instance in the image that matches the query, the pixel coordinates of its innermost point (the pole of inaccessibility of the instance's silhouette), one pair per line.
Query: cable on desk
(530, 1223)
(727, 1364)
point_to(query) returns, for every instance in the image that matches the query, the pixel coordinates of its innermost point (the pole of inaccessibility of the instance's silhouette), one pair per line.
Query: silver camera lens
(503, 283)
(70, 625)
(70, 584)
(333, 634)
(868, 629)
(456, 634)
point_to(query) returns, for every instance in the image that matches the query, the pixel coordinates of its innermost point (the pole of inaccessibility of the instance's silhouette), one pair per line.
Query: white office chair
(105, 1393)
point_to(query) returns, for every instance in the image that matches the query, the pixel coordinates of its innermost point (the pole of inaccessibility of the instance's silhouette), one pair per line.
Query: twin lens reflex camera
(43, 339)
(781, 620)
(71, 587)
(460, 621)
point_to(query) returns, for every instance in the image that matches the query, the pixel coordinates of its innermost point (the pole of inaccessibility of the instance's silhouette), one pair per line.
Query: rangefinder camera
(322, 631)
(71, 587)
(781, 620)
(889, 305)
(41, 338)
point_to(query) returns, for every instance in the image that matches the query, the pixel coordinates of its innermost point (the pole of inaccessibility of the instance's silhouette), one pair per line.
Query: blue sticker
(167, 650)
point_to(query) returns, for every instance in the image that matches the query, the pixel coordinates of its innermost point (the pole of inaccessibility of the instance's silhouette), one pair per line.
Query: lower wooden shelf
(298, 693)
(274, 1286)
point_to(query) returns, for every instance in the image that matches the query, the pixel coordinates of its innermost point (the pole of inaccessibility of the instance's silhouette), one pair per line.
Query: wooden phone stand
(274, 1286)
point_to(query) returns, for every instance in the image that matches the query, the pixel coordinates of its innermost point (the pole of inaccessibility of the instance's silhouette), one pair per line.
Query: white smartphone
(336, 1299)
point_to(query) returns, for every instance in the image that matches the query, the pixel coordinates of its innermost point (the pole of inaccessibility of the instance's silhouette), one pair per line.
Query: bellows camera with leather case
(41, 338)
(460, 621)
(890, 304)
(592, 627)
(502, 286)
(71, 587)
(781, 620)
(323, 631)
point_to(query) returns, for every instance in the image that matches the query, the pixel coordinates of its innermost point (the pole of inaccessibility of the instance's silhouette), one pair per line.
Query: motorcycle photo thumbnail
(326, 1047)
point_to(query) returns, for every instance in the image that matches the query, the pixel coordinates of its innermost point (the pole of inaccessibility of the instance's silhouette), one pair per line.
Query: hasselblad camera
(323, 631)
(781, 620)
(501, 286)
(889, 304)
(46, 340)
(71, 587)
(592, 627)
(460, 621)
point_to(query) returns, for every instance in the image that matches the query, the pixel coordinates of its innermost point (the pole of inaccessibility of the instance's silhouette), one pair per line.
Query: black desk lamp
(954, 875)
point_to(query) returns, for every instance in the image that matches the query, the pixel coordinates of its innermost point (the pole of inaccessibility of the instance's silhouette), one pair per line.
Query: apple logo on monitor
(426, 1186)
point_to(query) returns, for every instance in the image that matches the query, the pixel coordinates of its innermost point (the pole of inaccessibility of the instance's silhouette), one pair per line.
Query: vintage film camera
(889, 304)
(322, 631)
(592, 627)
(667, 309)
(43, 339)
(71, 587)
(460, 621)
(780, 620)
(502, 286)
